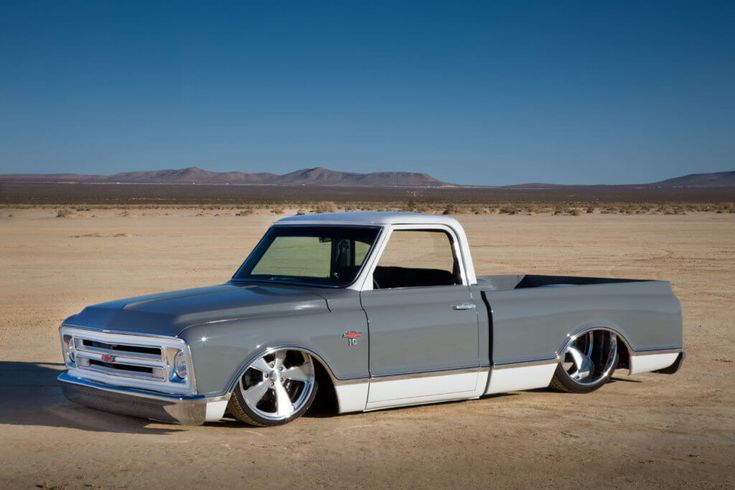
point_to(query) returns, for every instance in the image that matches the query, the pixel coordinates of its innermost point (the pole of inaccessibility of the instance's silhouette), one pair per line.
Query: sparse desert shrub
(508, 210)
(532, 209)
(277, 210)
(245, 212)
(450, 209)
(300, 212)
(591, 209)
(65, 213)
(674, 210)
(566, 211)
(325, 207)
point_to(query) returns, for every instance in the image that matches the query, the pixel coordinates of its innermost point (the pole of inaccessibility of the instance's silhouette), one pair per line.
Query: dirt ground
(645, 431)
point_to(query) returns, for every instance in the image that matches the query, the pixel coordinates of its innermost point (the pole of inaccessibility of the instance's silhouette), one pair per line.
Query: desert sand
(649, 430)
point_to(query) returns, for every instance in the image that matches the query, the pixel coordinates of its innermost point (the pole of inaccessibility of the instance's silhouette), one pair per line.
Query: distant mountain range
(194, 175)
(691, 181)
(717, 179)
(319, 176)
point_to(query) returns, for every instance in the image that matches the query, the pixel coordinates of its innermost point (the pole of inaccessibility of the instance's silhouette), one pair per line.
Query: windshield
(318, 255)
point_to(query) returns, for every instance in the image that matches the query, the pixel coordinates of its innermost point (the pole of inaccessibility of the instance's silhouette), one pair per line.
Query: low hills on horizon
(319, 176)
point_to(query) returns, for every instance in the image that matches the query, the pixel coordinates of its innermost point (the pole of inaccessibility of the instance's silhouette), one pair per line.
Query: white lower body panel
(425, 389)
(516, 378)
(644, 363)
(352, 397)
(390, 392)
(215, 410)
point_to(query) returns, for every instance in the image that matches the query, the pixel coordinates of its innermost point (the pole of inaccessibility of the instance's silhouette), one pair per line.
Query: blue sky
(471, 92)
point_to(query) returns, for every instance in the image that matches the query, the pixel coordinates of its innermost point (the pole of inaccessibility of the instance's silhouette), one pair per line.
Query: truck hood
(170, 313)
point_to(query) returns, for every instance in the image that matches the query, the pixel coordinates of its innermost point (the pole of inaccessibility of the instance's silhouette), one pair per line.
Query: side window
(417, 258)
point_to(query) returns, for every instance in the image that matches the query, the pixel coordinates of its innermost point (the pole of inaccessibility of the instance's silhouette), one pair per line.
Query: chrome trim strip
(536, 362)
(656, 351)
(122, 360)
(428, 374)
(128, 374)
(117, 332)
(349, 381)
(133, 356)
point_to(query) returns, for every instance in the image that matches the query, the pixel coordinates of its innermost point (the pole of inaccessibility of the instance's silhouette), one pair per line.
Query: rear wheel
(587, 362)
(275, 389)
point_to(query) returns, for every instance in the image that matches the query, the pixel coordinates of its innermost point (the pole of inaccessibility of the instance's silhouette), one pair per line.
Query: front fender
(222, 350)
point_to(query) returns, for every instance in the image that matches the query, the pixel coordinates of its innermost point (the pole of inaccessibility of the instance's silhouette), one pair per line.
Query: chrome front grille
(117, 359)
(139, 351)
(136, 361)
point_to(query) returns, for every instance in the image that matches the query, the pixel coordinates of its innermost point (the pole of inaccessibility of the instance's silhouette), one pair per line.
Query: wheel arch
(323, 366)
(623, 354)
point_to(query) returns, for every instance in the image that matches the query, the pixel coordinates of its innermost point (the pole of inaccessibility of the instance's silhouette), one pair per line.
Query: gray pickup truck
(370, 311)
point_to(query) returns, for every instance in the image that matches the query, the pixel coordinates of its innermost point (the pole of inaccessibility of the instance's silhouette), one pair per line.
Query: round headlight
(69, 343)
(180, 365)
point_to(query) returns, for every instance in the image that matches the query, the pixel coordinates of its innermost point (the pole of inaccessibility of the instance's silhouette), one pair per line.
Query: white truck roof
(371, 218)
(387, 219)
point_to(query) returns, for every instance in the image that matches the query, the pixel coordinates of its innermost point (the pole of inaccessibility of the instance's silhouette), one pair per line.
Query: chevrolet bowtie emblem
(351, 337)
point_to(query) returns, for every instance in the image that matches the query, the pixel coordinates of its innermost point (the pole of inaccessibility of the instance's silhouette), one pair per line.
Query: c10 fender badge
(351, 337)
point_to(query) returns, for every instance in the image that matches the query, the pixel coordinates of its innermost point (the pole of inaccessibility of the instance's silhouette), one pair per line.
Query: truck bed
(527, 281)
(532, 315)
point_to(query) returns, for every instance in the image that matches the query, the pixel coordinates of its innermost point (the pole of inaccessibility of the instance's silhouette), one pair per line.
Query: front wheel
(587, 362)
(275, 389)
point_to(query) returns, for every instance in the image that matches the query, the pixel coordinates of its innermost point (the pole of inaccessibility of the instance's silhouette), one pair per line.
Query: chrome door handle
(464, 306)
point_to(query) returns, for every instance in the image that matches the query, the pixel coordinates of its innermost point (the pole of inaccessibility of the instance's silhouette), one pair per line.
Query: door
(423, 323)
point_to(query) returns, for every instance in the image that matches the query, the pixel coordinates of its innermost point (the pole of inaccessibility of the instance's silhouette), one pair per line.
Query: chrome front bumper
(179, 409)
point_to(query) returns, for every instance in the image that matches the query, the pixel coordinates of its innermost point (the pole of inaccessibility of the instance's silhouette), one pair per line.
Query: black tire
(259, 416)
(240, 410)
(601, 349)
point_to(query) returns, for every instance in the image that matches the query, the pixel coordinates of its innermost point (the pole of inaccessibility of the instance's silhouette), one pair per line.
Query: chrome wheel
(587, 361)
(278, 386)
